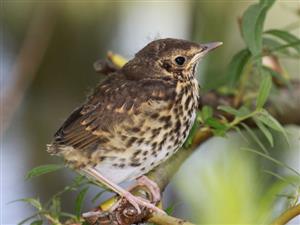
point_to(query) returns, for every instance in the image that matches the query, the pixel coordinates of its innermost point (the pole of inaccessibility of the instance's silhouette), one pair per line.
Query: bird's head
(172, 57)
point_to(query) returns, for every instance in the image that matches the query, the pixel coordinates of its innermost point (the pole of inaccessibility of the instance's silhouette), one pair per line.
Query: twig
(161, 219)
(288, 215)
(30, 56)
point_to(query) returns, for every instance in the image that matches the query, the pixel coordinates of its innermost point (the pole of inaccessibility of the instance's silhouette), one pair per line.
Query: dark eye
(180, 60)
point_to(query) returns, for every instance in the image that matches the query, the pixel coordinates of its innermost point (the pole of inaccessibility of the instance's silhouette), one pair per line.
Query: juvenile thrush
(136, 118)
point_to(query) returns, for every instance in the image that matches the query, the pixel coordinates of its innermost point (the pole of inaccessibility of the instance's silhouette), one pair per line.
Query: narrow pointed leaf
(264, 91)
(32, 201)
(44, 169)
(255, 138)
(267, 3)
(252, 25)
(241, 134)
(271, 122)
(271, 43)
(280, 178)
(277, 162)
(79, 202)
(243, 111)
(55, 206)
(68, 215)
(214, 123)
(286, 36)
(265, 131)
(237, 65)
(228, 109)
(27, 219)
(37, 222)
(98, 195)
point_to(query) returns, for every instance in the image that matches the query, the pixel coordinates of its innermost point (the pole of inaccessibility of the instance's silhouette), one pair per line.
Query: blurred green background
(219, 184)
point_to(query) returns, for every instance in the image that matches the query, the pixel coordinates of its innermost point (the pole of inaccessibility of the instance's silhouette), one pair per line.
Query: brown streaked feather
(114, 102)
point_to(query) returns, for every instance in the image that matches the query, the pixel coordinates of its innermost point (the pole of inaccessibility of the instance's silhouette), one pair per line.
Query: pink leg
(152, 186)
(135, 201)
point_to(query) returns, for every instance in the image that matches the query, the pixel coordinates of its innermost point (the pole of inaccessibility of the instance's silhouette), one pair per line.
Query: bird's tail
(53, 149)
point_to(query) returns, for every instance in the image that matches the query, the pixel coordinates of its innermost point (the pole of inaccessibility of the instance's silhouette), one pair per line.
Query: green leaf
(37, 222)
(214, 123)
(79, 202)
(218, 127)
(243, 111)
(228, 109)
(68, 215)
(271, 122)
(267, 3)
(170, 210)
(265, 131)
(98, 195)
(255, 138)
(237, 65)
(277, 162)
(55, 207)
(28, 218)
(32, 201)
(285, 36)
(40, 170)
(252, 25)
(264, 91)
(206, 112)
(241, 134)
(281, 178)
(271, 43)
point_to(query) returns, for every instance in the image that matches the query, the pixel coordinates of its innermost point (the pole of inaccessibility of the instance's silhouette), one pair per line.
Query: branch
(285, 107)
(160, 219)
(288, 215)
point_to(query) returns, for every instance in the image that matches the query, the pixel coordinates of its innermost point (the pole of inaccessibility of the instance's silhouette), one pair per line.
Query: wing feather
(113, 102)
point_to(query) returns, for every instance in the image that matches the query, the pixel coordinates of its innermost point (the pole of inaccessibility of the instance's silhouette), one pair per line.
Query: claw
(132, 200)
(136, 202)
(151, 186)
(149, 205)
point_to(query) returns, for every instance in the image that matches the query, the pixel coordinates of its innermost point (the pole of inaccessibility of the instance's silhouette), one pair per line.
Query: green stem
(287, 215)
(238, 120)
(285, 46)
(277, 49)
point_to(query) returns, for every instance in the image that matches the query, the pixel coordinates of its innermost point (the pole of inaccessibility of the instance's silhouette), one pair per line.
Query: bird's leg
(135, 201)
(114, 187)
(150, 185)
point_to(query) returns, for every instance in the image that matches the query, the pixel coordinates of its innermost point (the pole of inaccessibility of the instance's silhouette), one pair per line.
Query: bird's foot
(151, 186)
(149, 205)
(137, 203)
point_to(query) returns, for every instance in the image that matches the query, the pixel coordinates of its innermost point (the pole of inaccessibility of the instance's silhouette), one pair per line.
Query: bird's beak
(205, 48)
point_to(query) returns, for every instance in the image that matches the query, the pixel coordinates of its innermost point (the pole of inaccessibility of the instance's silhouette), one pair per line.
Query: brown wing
(112, 103)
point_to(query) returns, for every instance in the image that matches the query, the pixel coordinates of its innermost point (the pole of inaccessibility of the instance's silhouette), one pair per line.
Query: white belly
(127, 172)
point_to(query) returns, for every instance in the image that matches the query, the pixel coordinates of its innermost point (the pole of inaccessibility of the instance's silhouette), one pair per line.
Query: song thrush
(136, 118)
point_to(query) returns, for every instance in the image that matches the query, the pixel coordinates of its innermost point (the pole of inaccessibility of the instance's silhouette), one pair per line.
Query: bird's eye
(180, 60)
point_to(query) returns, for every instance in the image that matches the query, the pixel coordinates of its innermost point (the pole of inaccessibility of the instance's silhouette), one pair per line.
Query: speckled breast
(158, 135)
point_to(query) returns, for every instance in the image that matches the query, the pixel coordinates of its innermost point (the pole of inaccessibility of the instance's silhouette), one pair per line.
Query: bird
(136, 118)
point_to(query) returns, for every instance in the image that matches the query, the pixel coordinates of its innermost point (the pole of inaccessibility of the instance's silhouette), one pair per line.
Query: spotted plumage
(138, 116)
